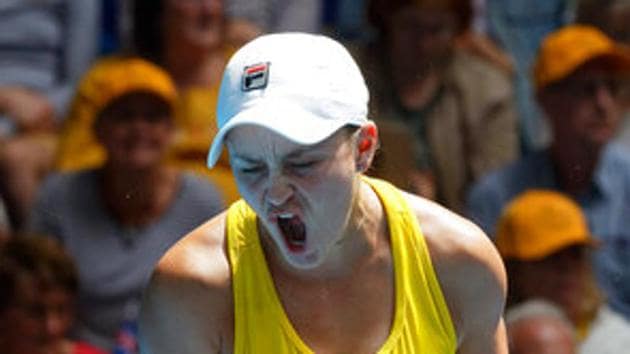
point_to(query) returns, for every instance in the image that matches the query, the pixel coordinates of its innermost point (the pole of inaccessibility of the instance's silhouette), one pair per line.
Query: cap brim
(618, 56)
(537, 253)
(285, 118)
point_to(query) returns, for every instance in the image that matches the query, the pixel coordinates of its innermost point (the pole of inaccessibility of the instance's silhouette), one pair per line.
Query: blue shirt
(606, 205)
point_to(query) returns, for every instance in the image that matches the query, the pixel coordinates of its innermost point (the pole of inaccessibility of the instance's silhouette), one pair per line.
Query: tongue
(294, 232)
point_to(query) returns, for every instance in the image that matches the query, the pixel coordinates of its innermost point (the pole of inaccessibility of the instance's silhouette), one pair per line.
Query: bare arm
(28, 109)
(187, 306)
(471, 275)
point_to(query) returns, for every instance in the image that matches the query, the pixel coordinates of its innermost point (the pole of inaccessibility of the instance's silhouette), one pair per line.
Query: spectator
(38, 287)
(44, 48)
(539, 327)
(575, 76)
(545, 242)
(186, 38)
(443, 94)
(118, 219)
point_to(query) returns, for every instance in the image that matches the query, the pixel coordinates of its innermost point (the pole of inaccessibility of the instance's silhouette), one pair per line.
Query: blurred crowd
(513, 113)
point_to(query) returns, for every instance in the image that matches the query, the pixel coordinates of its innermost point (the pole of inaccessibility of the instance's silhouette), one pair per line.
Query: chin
(304, 261)
(307, 258)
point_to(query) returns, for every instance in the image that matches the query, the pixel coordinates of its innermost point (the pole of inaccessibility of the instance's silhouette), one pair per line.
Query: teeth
(285, 215)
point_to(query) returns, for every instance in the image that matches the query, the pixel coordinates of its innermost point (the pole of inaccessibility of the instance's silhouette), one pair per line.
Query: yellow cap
(538, 223)
(564, 51)
(116, 76)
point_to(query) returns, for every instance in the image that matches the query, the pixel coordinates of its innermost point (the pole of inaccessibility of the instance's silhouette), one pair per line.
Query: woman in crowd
(117, 220)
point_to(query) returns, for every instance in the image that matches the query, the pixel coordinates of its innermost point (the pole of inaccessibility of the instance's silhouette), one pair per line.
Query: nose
(54, 326)
(279, 190)
(603, 92)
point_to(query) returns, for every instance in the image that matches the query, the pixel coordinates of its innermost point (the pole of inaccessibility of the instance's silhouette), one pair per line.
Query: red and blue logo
(255, 77)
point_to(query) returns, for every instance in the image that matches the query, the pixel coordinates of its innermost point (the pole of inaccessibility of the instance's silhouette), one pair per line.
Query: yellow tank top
(422, 323)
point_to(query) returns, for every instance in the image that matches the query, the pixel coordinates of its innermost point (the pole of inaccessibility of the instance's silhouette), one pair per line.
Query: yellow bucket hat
(116, 76)
(565, 50)
(539, 223)
(108, 79)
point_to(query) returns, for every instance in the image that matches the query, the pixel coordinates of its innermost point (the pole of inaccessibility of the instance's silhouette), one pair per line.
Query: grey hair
(536, 308)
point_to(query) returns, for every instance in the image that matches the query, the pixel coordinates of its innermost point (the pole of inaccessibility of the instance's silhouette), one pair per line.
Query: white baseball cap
(302, 86)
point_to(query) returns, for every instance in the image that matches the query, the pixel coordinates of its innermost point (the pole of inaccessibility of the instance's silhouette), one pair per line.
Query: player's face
(301, 194)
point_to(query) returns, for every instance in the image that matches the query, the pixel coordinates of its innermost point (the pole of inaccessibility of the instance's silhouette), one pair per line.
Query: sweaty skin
(188, 305)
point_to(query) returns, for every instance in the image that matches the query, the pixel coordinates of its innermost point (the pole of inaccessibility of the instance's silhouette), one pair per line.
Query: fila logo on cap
(255, 76)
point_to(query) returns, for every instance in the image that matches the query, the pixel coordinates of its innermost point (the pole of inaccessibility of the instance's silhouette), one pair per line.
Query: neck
(575, 165)
(137, 197)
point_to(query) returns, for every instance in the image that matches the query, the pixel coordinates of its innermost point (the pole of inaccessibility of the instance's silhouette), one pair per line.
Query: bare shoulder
(199, 256)
(453, 240)
(190, 294)
(470, 272)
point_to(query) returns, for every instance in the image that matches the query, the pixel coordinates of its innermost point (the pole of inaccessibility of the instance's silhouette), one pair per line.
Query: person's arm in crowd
(28, 109)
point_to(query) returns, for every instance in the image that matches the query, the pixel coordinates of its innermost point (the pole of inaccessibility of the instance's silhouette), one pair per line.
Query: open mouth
(293, 230)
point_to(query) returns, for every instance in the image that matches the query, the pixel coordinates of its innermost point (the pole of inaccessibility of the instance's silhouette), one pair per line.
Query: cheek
(163, 134)
(250, 189)
(22, 325)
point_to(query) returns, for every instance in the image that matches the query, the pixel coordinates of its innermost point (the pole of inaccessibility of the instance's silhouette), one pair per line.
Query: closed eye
(251, 169)
(303, 166)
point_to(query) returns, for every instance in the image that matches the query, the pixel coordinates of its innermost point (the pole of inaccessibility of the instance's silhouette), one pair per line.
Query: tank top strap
(427, 316)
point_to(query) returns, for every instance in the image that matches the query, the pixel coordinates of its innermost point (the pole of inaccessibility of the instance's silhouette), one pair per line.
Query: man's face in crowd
(563, 278)
(301, 194)
(585, 108)
(421, 38)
